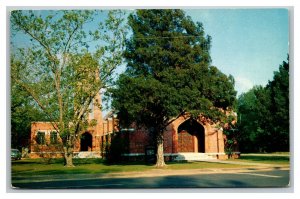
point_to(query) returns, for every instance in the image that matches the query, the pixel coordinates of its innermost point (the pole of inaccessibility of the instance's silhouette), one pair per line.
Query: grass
(272, 158)
(32, 167)
(83, 166)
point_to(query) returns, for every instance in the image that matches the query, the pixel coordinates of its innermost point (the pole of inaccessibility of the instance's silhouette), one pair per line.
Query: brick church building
(184, 139)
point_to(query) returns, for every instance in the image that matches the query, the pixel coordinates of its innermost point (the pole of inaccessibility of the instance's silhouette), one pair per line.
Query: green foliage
(23, 112)
(58, 69)
(169, 73)
(264, 115)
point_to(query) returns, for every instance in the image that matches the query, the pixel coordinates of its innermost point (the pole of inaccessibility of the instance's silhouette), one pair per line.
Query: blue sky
(249, 44)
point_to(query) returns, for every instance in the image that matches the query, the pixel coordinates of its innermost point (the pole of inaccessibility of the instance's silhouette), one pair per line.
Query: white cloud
(243, 84)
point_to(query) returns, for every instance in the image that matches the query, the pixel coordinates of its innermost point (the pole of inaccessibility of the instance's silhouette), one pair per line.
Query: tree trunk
(68, 155)
(160, 162)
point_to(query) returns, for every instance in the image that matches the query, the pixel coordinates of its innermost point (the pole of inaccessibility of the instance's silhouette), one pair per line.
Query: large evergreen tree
(169, 74)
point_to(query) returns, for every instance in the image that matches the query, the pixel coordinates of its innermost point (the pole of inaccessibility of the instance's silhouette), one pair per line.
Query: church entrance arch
(191, 137)
(86, 140)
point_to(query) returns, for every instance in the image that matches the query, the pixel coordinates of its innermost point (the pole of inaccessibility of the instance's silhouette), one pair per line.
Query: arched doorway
(86, 142)
(191, 137)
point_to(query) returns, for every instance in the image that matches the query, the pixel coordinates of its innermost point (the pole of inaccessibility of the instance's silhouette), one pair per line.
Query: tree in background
(23, 112)
(169, 74)
(264, 115)
(57, 68)
(279, 94)
(254, 116)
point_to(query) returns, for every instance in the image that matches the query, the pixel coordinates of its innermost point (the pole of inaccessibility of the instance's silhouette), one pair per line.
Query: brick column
(174, 141)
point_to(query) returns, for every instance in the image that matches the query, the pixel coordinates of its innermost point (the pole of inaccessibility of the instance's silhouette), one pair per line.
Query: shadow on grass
(41, 161)
(85, 161)
(38, 161)
(128, 163)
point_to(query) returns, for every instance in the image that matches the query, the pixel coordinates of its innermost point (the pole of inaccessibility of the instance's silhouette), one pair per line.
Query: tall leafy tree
(58, 69)
(169, 74)
(264, 115)
(254, 118)
(279, 94)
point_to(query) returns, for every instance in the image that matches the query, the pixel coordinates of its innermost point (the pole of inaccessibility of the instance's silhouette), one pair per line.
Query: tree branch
(44, 45)
(33, 95)
(67, 47)
(172, 120)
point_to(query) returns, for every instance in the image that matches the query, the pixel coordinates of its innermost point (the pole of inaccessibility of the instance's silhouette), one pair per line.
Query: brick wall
(174, 142)
(140, 139)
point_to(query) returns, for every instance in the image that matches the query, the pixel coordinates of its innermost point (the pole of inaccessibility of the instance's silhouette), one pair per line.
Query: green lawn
(90, 166)
(31, 167)
(38, 167)
(270, 158)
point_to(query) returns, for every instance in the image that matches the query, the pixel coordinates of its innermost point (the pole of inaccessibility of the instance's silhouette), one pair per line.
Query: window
(40, 138)
(53, 137)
